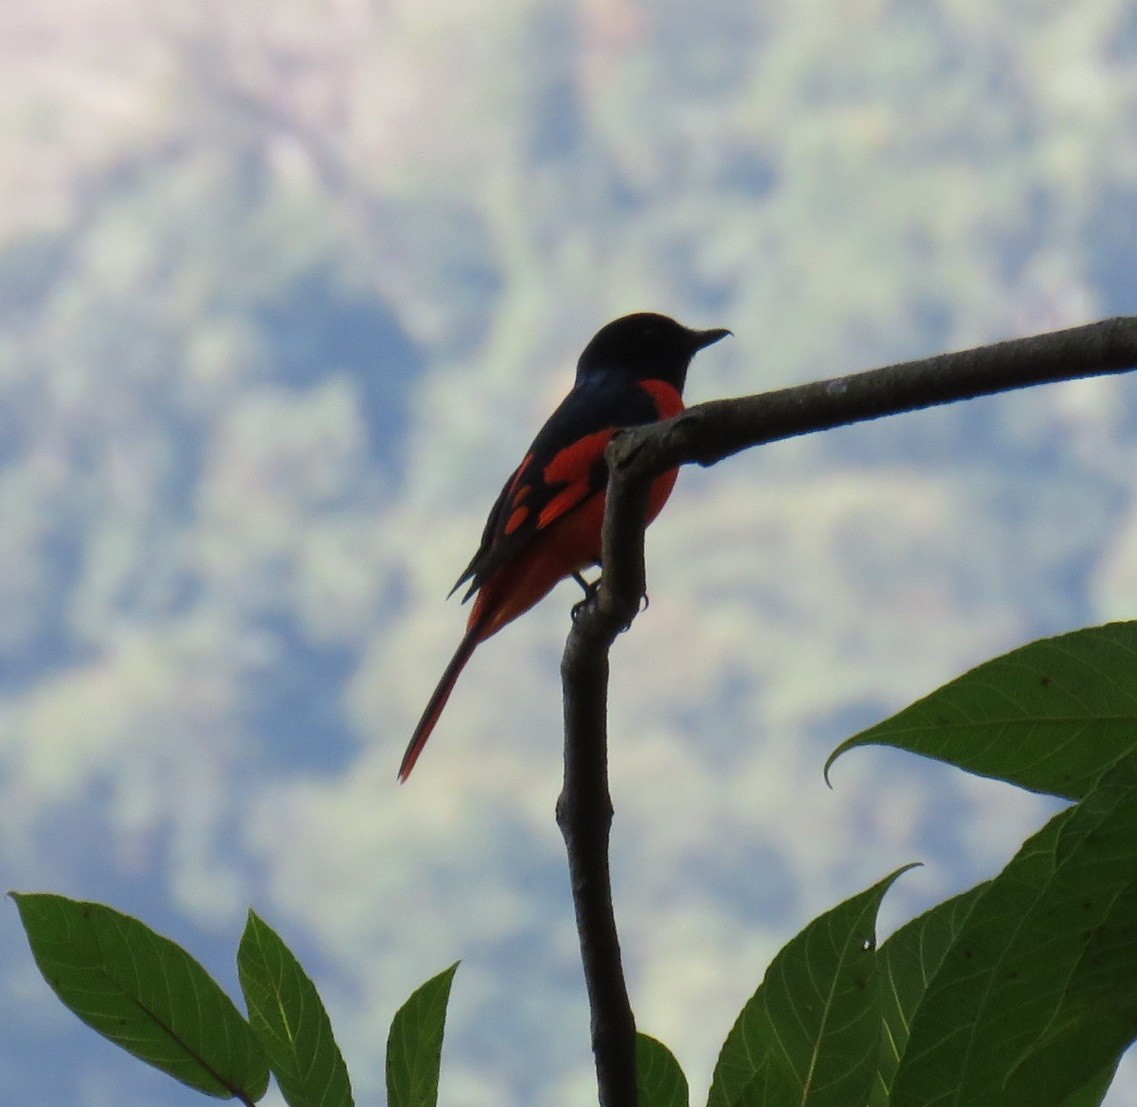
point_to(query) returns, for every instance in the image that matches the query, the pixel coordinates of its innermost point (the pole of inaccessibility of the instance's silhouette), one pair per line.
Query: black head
(645, 346)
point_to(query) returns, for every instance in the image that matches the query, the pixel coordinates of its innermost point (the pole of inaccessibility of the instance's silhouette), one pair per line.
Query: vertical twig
(584, 814)
(584, 809)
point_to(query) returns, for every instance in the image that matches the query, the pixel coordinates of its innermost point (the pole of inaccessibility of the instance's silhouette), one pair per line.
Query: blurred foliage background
(286, 288)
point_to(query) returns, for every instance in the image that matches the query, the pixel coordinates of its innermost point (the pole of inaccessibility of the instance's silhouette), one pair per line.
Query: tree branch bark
(710, 432)
(706, 434)
(584, 814)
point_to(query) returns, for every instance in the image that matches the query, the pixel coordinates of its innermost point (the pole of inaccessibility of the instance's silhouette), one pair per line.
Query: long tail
(474, 634)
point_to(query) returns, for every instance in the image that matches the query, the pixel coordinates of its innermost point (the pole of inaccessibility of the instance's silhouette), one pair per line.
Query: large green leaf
(1021, 1012)
(908, 961)
(810, 1035)
(660, 1079)
(144, 993)
(1051, 716)
(289, 1020)
(414, 1046)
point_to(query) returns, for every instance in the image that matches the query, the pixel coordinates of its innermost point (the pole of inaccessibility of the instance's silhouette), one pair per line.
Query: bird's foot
(590, 587)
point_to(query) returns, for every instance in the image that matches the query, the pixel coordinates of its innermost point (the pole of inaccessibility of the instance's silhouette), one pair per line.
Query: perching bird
(546, 523)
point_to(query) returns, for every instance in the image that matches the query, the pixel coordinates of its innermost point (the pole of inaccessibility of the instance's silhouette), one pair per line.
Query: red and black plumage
(545, 525)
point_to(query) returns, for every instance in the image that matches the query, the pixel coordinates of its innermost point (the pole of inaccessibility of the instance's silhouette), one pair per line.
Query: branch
(710, 432)
(707, 434)
(584, 814)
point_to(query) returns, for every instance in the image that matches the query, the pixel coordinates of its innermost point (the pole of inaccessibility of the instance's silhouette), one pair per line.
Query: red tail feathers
(438, 701)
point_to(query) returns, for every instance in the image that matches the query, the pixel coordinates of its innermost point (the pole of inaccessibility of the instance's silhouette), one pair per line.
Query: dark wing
(562, 468)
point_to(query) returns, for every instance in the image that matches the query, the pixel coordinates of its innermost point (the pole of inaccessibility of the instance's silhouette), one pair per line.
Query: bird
(545, 525)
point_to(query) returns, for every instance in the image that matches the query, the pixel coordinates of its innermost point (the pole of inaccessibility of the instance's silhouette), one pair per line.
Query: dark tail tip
(438, 702)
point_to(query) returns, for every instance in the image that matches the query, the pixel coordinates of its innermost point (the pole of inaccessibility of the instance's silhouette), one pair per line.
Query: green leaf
(660, 1079)
(771, 1084)
(1051, 716)
(1053, 1072)
(1092, 1094)
(941, 1031)
(1097, 1018)
(1020, 1012)
(144, 993)
(907, 961)
(414, 1046)
(289, 1020)
(810, 1035)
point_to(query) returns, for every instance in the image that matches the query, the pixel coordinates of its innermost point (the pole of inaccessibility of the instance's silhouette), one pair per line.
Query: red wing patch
(517, 476)
(520, 514)
(564, 501)
(516, 497)
(574, 467)
(574, 463)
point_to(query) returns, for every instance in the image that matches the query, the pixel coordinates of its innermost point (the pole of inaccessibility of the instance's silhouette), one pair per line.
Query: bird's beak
(701, 339)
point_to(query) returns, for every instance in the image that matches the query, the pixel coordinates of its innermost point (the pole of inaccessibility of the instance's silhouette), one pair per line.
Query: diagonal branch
(707, 434)
(710, 432)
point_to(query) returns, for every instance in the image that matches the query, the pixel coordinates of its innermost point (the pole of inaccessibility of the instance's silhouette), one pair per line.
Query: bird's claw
(590, 588)
(643, 604)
